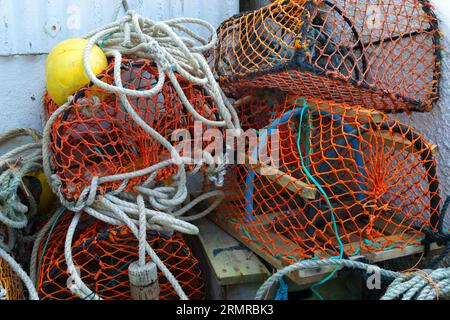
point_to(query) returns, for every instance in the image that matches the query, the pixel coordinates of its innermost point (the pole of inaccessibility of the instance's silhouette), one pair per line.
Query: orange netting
(104, 254)
(383, 54)
(378, 175)
(10, 282)
(96, 137)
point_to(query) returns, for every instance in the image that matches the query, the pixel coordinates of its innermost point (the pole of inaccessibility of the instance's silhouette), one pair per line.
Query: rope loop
(419, 285)
(173, 48)
(15, 210)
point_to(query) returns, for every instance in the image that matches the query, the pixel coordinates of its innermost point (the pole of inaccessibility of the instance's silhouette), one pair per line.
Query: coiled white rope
(119, 5)
(14, 165)
(14, 215)
(423, 285)
(164, 207)
(2, 293)
(20, 273)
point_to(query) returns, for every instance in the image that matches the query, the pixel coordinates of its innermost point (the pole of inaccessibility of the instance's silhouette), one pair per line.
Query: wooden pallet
(308, 192)
(273, 241)
(233, 271)
(377, 117)
(306, 277)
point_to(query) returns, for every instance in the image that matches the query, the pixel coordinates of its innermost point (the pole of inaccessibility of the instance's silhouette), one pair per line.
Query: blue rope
(283, 291)
(322, 191)
(250, 179)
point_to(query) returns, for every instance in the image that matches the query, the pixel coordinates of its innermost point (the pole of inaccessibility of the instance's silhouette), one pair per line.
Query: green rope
(322, 191)
(60, 214)
(102, 44)
(310, 177)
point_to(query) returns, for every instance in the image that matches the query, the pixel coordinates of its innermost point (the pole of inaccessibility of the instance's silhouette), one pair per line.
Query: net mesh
(96, 137)
(10, 282)
(104, 254)
(344, 174)
(383, 54)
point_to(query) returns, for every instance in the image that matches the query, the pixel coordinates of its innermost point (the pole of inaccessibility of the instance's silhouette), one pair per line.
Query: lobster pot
(344, 174)
(382, 54)
(10, 282)
(104, 254)
(97, 137)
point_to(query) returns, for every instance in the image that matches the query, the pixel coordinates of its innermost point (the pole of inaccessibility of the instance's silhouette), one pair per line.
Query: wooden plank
(242, 101)
(316, 274)
(362, 114)
(307, 191)
(277, 242)
(365, 115)
(307, 277)
(231, 262)
(385, 227)
(300, 278)
(342, 234)
(396, 253)
(434, 150)
(401, 143)
(374, 257)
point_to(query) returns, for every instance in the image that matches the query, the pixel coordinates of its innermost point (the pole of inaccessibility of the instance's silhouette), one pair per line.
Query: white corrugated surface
(35, 26)
(26, 35)
(435, 125)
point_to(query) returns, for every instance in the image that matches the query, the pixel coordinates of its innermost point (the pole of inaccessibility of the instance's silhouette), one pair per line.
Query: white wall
(30, 28)
(435, 125)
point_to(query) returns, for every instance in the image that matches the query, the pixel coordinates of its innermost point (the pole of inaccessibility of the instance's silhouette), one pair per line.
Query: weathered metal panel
(34, 26)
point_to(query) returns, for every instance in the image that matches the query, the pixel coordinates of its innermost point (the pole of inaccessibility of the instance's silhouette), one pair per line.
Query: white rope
(149, 206)
(14, 215)
(423, 285)
(119, 5)
(36, 245)
(14, 165)
(2, 293)
(21, 273)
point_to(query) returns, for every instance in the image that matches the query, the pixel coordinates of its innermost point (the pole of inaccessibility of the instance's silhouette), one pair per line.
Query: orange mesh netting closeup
(103, 254)
(96, 137)
(345, 174)
(377, 54)
(10, 282)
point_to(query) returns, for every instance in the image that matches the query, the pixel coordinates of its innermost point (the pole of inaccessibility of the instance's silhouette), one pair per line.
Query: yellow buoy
(48, 198)
(65, 73)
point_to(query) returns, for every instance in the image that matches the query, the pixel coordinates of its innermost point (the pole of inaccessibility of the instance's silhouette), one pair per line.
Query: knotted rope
(14, 215)
(14, 165)
(149, 206)
(421, 285)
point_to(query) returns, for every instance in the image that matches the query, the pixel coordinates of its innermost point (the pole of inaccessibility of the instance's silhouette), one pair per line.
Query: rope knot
(9, 183)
